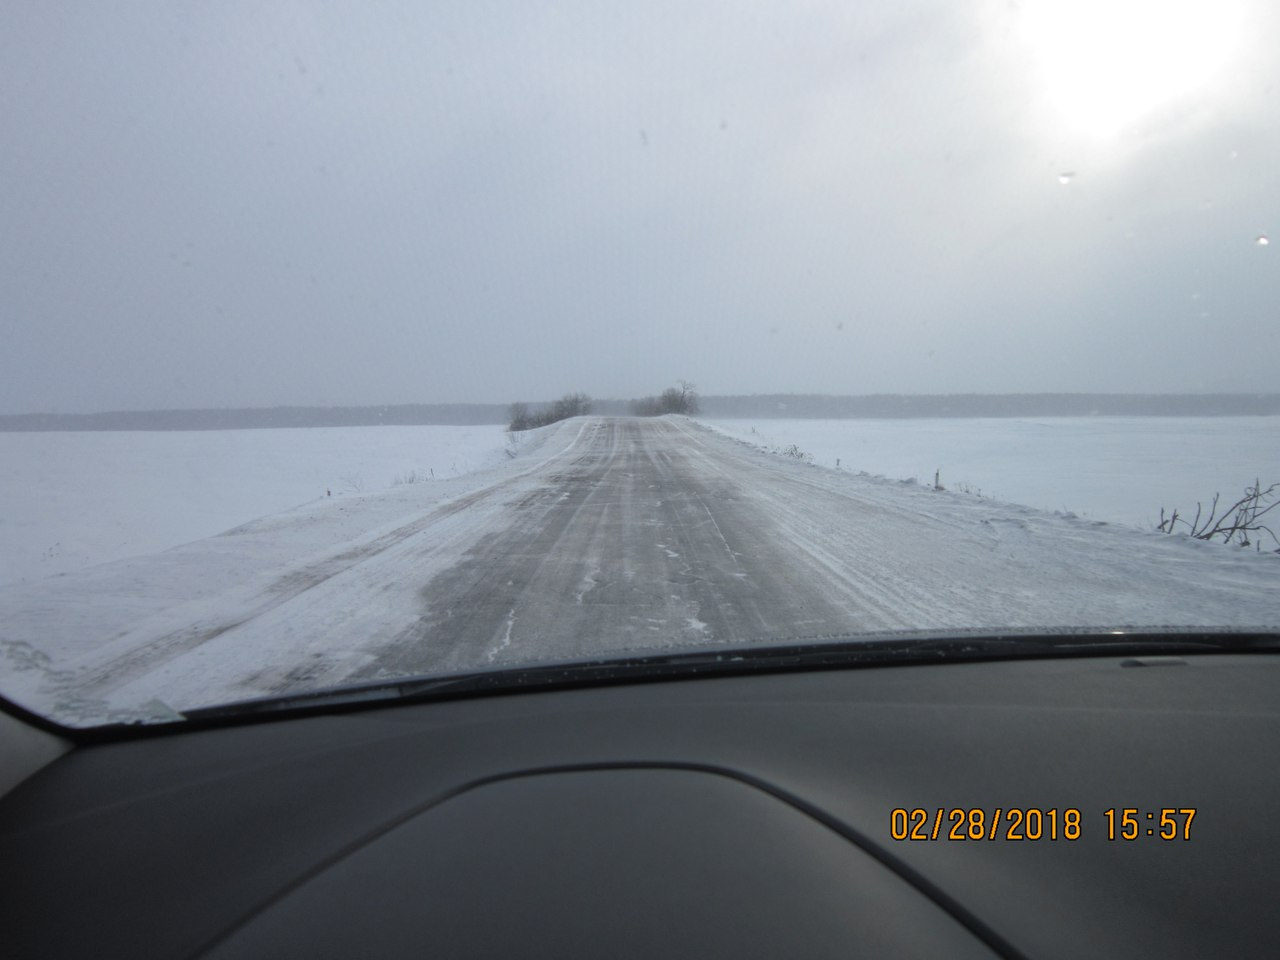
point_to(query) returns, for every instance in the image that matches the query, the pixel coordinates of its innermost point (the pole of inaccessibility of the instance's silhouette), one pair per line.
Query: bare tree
(689, 398)
(519, 416)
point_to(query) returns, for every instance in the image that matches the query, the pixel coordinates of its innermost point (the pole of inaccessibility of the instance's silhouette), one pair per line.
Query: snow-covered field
(71, 500)
(1116, 469)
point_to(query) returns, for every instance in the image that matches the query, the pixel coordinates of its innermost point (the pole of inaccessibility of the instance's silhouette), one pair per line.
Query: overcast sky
(246, 204)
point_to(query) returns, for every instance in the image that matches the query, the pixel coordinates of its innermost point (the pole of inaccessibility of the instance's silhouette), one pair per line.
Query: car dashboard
(960, 809)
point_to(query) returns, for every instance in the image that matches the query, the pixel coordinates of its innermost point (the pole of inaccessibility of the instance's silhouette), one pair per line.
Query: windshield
(351, 345)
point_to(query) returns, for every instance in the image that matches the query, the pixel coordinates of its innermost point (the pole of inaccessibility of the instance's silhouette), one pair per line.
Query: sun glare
(1108, 64)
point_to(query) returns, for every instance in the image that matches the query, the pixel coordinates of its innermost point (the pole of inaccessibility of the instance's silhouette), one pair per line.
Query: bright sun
(1106, 64)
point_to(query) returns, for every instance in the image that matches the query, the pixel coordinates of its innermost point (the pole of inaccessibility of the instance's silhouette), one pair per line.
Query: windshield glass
(353, 344)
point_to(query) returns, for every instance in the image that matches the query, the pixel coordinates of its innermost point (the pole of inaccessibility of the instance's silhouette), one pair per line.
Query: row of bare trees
(570, 405)
(681, 399)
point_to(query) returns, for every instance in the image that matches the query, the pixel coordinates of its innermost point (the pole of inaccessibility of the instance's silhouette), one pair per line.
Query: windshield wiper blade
(810, 653)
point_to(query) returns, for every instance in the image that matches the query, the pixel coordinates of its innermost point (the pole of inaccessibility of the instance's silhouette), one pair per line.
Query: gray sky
(244, 204)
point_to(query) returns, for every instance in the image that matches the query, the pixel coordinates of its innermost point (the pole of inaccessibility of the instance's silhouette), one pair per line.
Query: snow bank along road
(612, 535)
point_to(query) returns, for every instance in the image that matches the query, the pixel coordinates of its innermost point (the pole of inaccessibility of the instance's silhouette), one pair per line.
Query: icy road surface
(604, 535)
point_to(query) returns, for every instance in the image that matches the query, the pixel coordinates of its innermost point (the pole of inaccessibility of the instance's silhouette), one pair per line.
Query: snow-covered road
(604, 535)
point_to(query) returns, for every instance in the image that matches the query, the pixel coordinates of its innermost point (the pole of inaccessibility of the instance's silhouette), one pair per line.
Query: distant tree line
(681, 399)
(894, 406)
(729, 407)
(256, 418)
(570, 405)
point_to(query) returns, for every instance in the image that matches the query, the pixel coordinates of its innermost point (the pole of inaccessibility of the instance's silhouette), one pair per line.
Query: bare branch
(1233, 524)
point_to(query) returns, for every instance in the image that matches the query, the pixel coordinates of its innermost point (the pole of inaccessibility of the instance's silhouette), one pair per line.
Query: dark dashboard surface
(743, 816)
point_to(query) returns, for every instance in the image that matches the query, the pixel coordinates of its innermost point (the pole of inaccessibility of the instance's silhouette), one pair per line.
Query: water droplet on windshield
(1066, 177)
(1263, 240)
